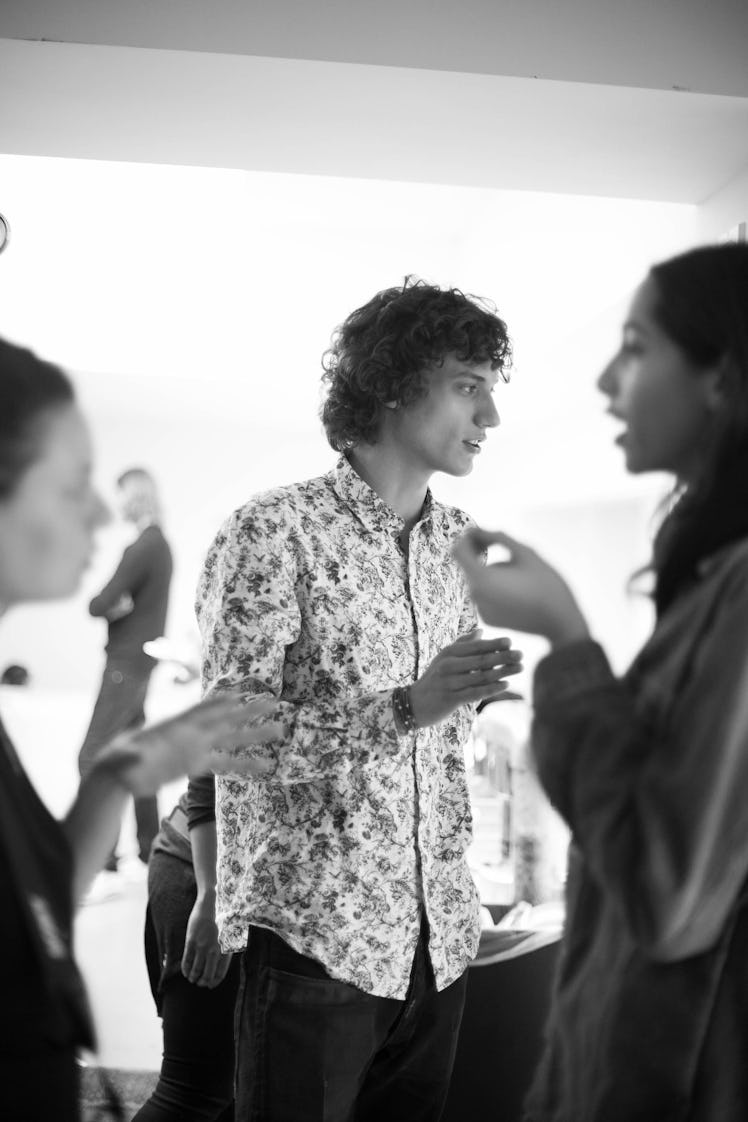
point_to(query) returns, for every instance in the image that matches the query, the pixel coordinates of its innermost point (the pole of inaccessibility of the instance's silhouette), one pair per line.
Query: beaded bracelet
(403, 710)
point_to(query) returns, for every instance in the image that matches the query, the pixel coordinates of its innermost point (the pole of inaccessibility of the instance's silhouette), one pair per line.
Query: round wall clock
(4, 232)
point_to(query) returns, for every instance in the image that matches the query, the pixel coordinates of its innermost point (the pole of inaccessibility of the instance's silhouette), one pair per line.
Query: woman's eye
(631, 349)
(468, 388)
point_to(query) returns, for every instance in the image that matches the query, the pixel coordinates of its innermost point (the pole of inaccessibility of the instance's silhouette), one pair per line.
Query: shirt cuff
(570, 672)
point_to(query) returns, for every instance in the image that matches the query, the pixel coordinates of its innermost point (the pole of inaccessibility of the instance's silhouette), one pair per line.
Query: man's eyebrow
(470, 372)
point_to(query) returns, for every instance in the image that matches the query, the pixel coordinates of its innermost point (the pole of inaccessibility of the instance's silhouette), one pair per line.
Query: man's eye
(469, 388)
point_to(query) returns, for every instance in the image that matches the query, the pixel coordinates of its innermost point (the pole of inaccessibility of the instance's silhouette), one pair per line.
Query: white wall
(725, 209)
(194, 305)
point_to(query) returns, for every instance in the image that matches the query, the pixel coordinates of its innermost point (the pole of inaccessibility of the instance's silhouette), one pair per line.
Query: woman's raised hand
(521, 593)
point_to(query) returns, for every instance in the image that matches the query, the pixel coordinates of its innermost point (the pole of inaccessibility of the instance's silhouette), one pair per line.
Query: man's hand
(203, 964)
(212, 736)
(524, 593)
(468, 671)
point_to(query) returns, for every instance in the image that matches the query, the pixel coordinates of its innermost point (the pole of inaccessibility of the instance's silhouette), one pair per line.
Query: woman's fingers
(469, 549)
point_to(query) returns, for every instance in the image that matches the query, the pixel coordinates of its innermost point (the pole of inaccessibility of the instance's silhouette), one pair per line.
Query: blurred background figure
(134, 604)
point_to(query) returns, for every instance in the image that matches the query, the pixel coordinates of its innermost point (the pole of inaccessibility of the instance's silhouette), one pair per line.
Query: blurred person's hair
(384, 351)
(137, 474)
(31, 391)
(701, 303)
(15, 675)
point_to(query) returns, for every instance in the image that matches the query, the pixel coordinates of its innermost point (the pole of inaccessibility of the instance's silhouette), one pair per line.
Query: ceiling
(584, 97)
(670, 45)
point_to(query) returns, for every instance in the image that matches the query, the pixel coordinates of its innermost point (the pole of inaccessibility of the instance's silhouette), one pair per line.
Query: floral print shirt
(307, 595)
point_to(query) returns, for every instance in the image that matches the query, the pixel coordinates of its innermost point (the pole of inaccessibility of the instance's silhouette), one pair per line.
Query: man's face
(136, 498)
(443, 430)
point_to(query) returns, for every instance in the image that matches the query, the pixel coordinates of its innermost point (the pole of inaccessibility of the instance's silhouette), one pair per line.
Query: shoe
(106, 886)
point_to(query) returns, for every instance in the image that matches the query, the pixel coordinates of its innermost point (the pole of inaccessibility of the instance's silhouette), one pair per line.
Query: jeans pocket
(288, 988)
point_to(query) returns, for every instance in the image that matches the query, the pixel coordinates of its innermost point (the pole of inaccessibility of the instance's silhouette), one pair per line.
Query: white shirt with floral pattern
(307, 595)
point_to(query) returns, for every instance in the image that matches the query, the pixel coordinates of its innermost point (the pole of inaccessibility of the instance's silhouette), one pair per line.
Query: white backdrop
(192, 306)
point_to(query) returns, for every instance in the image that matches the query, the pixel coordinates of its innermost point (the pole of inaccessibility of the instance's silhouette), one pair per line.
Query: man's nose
(488, 415)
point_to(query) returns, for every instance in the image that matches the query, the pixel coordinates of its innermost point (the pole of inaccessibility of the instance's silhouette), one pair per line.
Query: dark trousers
(120, 708)
(196, 1081)
(39, 1088)
(310, 1049)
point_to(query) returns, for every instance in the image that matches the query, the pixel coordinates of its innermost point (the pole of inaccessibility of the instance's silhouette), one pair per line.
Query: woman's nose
(607, 381)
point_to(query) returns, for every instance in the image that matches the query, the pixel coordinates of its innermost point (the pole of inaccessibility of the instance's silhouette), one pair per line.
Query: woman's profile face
(47, 525)
(666, 401)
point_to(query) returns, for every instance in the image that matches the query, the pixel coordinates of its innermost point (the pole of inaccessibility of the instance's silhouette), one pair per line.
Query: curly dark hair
(384, 350)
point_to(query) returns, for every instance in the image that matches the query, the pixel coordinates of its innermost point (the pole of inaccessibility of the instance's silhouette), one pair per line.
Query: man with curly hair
(342, 875)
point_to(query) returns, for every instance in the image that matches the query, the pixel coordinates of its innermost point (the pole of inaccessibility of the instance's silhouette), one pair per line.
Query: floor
(109, 950)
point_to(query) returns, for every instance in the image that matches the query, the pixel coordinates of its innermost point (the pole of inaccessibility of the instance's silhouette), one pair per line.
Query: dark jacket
(650, 1013)
(144, 573)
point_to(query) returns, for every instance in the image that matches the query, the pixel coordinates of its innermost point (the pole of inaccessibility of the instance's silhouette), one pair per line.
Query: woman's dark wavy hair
(30, 390)
(702, 306)
(384, 350)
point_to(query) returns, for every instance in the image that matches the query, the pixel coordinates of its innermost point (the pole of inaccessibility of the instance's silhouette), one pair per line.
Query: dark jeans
(310, 1049)
(197, 1070)
(120, 708)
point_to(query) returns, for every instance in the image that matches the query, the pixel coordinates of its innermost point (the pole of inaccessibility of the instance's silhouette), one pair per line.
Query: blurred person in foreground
(134, 604)
(342, 877)
(649, 1019)
(49, 511)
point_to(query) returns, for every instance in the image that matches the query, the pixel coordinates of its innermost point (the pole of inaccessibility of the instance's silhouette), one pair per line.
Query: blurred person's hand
(212, 736)
(523, 592)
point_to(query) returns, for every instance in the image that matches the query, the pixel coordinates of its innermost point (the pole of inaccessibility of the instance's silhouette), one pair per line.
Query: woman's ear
(717, 380)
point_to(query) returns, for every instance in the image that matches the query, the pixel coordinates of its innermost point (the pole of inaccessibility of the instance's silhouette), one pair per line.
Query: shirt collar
(366, 504)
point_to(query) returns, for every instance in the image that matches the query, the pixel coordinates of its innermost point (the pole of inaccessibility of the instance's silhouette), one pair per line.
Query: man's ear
(390, 404)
